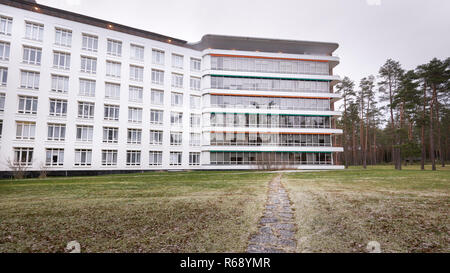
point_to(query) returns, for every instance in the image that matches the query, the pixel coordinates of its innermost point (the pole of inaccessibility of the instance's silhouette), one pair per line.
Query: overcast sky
(368, 31)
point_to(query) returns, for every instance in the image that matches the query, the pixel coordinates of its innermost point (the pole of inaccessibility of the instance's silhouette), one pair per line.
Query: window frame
(63, 32)
(27, 130)
(59, 56)
(32, 55)
(61, 133)
(84, 133)
(88, 38)
(78, 162)
(63, 107)
(59, 152)
(82, 105)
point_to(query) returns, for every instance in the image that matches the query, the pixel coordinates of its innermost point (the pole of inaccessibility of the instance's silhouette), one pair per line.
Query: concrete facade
(19, 138)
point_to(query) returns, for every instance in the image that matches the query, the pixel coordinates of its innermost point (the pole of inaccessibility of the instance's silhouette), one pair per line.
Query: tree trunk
(344, 136)
(375, 146)
(361, 131)
(354, 143)
(366, 137)
(438, 125)
(422, 160)
(400, 140)
(392, 122)
(410, 130)
(361, 141)
(433, 162)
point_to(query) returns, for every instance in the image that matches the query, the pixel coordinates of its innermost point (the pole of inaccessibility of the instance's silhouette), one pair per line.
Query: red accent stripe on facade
(261, 57)
(268, 96)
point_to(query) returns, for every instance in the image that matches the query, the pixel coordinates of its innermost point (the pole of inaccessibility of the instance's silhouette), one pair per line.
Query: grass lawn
(336, 211)
(152, 212)
(341, 211)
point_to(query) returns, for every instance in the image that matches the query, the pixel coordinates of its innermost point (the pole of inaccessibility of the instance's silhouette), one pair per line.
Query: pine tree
(367, 100)
(345, 88)
(391, 73)
(435, 76)
(408, 99)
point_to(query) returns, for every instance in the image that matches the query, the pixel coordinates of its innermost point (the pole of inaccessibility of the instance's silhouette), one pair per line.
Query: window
(135, 94)
(158, 57)
(34, 31)
(61, 60)
(60, 84)
(83, 157)
(58, 108)
(133, 158)
(88, 65)
(266, 65)
(157, 76)
(177, 99)
(134, 114)
(176, 138)
(4, 51)
(90, 43)
(137, 52)
(195, 64)
(194, 102)
(177, 61)
(63, 37)
(194, 159)
(29, 79)
(111, 112)
(177, 80)
(175, 158)
(136, 73)
(157, 97)
(109, 157)
(28, 105)
(5, 25)
(54, 157)
(218, 82)
(25, 130)
(156, 117)
(155, 158)
(134, 136)
(176, 119)
(2, 102)
(156, 137)
(194, 140)
(110, 135)
(87, 88)
(114, 48)
(3, 76)
(86, 110)
(85, 133)
(195, 83)
(23, 156)
(113, 69)
(56, 132)
(112, 91)
(32, 55)
(195, 120)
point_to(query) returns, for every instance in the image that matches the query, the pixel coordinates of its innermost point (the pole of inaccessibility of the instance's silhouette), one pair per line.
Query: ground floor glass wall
(273, 158)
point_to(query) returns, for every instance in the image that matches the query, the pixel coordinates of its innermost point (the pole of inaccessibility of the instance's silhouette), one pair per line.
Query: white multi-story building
(82, 94)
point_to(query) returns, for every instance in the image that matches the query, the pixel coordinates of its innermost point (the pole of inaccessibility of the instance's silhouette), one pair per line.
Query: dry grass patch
(405, 211)
(182, 212)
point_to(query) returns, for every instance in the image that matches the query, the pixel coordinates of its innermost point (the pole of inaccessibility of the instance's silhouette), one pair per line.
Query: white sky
(368, 31)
